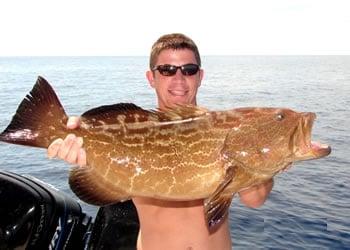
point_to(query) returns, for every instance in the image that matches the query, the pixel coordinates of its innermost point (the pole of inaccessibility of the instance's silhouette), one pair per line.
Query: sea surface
(309, 207)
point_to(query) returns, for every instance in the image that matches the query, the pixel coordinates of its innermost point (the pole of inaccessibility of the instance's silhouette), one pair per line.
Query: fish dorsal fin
(110, 110)
(108, 113)
(180, 112)
(216, 206)
(133, 113)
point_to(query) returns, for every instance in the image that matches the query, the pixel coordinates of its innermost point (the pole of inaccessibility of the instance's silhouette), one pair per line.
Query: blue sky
(111, 27)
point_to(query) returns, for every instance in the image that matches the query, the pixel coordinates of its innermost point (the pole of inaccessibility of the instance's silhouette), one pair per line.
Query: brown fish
(179, 154)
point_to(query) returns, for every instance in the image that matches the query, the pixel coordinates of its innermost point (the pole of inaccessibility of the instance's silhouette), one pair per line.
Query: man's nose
(179, 75)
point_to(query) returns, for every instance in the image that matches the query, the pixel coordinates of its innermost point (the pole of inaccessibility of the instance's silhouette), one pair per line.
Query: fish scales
(171, 152)
(181, 153)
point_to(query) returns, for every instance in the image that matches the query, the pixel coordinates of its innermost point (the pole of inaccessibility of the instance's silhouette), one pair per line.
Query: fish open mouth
(303, 147)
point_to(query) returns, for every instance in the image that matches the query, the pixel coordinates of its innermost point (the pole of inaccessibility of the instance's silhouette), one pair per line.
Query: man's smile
(176, 92)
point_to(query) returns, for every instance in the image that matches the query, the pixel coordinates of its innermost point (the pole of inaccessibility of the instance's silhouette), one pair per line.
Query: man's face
(179, 88)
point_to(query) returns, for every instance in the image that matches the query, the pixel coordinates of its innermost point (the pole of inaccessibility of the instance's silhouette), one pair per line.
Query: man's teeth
(178, 92)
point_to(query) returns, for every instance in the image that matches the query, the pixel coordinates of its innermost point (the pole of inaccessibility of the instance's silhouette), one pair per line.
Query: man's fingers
(52, 150)
(73, 122)
(72, 155)
(66, 146)
(82, 158)
(69, 148)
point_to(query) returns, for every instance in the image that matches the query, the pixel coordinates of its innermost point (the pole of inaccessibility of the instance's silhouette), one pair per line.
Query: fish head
(269, 139)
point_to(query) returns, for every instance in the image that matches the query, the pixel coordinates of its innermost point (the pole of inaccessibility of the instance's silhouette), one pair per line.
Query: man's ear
(150, 78)
(201, 75)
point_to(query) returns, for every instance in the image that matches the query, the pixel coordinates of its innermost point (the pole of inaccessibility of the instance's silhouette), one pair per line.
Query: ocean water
(309, 207)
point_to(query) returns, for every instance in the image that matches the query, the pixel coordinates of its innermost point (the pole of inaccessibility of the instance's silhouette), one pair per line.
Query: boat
(36, 215)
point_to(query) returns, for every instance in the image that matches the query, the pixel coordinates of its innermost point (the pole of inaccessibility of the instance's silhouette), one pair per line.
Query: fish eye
(280, 116)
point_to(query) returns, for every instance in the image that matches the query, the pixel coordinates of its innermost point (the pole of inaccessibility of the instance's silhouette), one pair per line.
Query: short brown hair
(173, 41)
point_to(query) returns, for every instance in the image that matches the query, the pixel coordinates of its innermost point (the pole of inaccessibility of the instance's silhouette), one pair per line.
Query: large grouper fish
(178, 154)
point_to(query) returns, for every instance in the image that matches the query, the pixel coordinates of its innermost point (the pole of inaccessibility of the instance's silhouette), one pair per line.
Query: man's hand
(71, 148)
(256, 196)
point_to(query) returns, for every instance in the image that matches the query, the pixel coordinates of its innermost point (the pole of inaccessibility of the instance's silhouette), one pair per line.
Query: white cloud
(91, 27)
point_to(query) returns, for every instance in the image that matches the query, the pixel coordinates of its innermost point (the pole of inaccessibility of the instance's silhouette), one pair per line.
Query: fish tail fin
(39, 119)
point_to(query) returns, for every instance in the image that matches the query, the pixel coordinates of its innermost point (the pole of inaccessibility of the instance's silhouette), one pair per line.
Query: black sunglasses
(170, 70)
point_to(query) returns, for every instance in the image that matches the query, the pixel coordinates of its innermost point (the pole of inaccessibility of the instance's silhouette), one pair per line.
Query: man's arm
(256, 196)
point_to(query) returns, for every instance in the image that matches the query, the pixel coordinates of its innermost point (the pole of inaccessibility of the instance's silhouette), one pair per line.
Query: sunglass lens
(189, 69)
(167, 70)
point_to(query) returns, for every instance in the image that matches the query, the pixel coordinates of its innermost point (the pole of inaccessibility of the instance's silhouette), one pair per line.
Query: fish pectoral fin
(91, 187)
(217, 205)
(216, 209)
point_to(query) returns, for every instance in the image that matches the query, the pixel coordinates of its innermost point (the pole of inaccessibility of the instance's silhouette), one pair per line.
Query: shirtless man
(175, 74)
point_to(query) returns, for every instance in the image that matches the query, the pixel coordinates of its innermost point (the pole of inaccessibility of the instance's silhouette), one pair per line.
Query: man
(175, 74)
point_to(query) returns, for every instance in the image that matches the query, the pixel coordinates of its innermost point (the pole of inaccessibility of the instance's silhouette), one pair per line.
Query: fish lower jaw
(312, 150)
(318, 145)
(320, 149)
